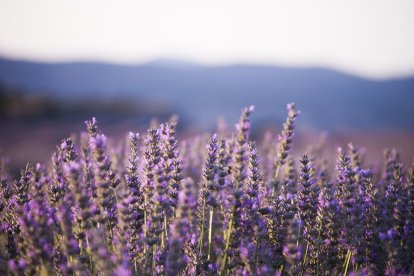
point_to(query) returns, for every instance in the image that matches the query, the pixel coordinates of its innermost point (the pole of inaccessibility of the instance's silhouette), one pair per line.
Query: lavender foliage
(206, 205)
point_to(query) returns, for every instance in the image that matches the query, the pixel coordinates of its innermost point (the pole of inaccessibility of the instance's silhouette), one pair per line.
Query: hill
(330, 99)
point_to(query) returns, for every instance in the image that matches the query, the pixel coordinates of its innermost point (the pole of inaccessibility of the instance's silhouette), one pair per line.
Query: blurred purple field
(41, 103)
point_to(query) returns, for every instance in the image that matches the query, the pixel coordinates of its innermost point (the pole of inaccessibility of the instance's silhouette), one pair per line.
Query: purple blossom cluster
(218, 204)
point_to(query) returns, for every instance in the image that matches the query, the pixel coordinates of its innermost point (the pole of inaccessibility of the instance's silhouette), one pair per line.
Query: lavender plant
(208, 205)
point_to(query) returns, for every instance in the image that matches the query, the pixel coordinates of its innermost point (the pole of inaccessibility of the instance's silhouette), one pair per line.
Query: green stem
(304, 258)
(164, 234)
(210, 232)
(275, 178)
(223, 265)
(88, 250)
(165, 226)
(154, 250)
(145, 222)
(43, 269)
(297, 242)
(255, 250)
(203, 217)
(348, 258)
(111, 232)
(116, 196)
(319, 250)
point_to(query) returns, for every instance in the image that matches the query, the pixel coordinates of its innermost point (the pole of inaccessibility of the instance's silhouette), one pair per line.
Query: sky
(370, 38)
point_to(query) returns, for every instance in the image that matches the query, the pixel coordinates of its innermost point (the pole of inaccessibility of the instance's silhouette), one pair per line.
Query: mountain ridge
(331, 99)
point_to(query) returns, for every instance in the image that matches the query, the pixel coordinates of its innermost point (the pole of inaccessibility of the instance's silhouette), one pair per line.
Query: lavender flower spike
(285, 138)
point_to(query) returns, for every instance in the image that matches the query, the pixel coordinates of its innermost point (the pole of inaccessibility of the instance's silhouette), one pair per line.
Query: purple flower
(285, 138)
(182, 209)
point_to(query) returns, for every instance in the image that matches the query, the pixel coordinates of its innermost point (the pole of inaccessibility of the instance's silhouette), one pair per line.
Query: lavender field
(209, 204)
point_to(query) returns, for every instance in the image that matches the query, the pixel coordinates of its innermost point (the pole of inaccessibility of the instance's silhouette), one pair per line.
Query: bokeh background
(348, 65)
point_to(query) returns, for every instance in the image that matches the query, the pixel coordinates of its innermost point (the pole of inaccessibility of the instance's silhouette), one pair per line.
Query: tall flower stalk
(102, 167)
(284, 142)
(238, 184)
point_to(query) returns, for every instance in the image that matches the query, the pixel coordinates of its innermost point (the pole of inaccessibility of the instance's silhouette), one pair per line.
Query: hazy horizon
(370, 39)
(178, 63)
